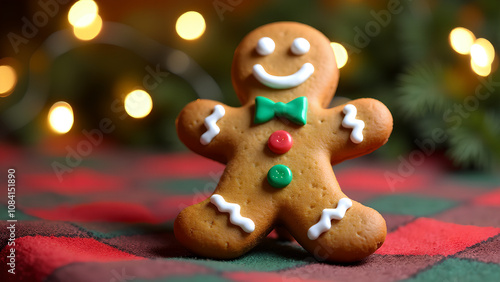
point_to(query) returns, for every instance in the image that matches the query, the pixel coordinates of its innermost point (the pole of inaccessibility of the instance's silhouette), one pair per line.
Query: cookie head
(283, 61)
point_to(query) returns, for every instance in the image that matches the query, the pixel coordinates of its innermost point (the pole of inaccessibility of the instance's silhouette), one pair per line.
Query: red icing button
(280, 142)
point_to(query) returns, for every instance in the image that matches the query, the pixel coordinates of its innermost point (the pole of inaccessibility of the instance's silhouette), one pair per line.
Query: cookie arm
(360, 127)
(204, 127)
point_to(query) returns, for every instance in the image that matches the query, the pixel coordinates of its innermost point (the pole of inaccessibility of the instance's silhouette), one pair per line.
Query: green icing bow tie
(295, 110)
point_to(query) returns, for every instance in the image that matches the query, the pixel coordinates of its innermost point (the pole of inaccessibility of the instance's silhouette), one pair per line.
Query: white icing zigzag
(234, 213)
(324, 223)
(210, 124)
(350, 121)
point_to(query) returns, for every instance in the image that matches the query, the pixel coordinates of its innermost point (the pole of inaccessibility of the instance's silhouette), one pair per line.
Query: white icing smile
(283, 82)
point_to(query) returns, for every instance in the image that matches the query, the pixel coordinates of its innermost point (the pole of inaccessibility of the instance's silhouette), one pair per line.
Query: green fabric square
(19, 215)
(184, 186)
(460, 270)
(107, 230)
(270, 255)
(475, 180)
(410, 205)
(101, 165)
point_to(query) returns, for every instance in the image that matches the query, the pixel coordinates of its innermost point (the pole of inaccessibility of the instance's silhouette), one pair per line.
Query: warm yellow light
(138, 104)
(61, 117)
(190, 25)
(482, 52)
(340, 54)
(8, 80)
(82, 13)
(461, 40)
(482, 71)
(90, 31)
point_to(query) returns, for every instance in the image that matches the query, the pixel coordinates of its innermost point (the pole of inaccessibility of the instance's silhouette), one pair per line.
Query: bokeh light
(340, 54)
(482, 52)
(90, 31)
(138, 104)
(8, 80)
(177, 62)
(479, 70)
(61, 117)
(190, 25)
(461, 40)
(82, 13)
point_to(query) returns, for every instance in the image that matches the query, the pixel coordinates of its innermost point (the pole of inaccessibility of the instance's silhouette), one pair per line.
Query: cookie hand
(202, 127)
(361, 126)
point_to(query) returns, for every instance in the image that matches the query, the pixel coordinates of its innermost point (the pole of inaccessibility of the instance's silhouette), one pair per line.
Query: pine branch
(475, 142)
(422, 90)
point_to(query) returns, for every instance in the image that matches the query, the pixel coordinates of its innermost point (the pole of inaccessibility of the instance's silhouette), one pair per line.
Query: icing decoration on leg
(350, 121)
(234, 213)
(210, 124)
(324, 224)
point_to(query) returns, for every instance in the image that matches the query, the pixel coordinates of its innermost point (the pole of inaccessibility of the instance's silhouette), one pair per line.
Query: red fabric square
(98, 211)
(264, 276)
(427, 236)
(50, 253)
(489, 199)
(379, 180)
(132, 271)
(179, 165)
(78, 181)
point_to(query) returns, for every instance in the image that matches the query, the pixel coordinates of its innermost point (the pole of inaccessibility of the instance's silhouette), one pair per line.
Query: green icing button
(279, 176)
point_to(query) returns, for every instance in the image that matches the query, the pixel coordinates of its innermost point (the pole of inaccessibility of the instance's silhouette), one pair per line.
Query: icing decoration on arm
(300, 46)
(210, 124)
(295, 110)
(324, 224)
(265, 46)
(350, 121)
(234, 213)
(283, 82)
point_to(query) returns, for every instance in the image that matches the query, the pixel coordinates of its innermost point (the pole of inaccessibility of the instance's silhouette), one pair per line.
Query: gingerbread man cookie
(279, 147)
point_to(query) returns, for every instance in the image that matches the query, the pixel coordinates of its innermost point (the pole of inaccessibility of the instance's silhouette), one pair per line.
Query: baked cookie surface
(279, 147)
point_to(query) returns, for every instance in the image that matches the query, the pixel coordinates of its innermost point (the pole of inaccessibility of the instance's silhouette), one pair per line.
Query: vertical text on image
(11, 222)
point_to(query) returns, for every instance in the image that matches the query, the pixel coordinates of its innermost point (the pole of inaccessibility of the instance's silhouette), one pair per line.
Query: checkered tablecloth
(109, 218)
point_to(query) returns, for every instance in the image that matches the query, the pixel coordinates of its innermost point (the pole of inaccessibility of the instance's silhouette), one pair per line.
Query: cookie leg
(349, 237)
(220, 228)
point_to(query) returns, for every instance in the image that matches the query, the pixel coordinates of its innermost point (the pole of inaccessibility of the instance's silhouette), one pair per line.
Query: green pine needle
(422, 91)
(469, 151)
(475, 142)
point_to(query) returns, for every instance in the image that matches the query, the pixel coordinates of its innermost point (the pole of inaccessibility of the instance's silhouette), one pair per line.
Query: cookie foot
(206, 230)
(357, 235)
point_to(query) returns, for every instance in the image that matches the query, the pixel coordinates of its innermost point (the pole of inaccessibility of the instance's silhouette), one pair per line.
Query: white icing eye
(300, 46)
(265, 46)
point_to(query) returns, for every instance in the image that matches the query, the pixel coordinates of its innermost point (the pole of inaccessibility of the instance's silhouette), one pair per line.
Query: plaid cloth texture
(110, 218)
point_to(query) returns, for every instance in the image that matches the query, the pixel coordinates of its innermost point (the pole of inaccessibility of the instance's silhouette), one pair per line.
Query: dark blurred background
(103, 64)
